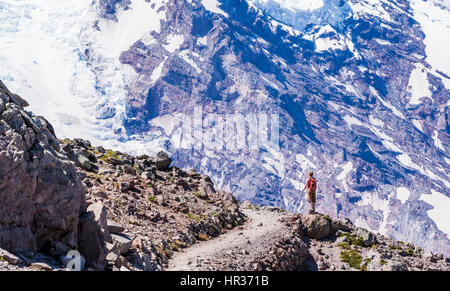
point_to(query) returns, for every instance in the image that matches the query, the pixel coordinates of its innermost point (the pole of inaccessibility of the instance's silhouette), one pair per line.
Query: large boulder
(41, 196)
(315, 226)
(162, 161)
(91, 241)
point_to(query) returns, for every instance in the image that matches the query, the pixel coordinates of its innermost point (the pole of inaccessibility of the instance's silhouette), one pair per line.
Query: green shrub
(193, 216)
(344, 245)
(152, 198)
(352, 257)
(327, 217)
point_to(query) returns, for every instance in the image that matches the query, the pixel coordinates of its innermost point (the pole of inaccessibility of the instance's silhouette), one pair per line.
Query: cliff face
(41, 196)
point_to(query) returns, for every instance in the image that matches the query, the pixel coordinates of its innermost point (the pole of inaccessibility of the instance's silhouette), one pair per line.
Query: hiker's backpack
(313, 185)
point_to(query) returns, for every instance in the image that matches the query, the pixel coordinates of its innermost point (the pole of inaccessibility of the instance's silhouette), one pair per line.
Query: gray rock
(101, 214)
(41, 266)
(315, 226)
(162, 161)
(148, 175)
(41, 195)
(115, 228)
(123, 242)
(368, 237)
(91, 241)
(11, 258)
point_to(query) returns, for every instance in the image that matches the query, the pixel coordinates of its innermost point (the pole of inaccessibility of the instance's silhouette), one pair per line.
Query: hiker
(311, 184)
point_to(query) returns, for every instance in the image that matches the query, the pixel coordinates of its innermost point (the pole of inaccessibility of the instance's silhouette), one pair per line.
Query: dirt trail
(228, 251)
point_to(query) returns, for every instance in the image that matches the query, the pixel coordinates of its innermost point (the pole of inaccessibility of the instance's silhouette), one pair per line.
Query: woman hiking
(311, 185)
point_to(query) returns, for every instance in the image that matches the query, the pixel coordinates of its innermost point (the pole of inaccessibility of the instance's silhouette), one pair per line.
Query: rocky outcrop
(41, 196)
(42, 200)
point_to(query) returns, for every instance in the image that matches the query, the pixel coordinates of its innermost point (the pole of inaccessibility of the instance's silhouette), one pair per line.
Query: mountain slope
(360, 97)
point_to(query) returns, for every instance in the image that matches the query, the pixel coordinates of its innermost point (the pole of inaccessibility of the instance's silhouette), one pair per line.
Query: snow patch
(213, 6)
(418, 85)
(173, 42)
(439, 214)
(435, 23)
(403, 194)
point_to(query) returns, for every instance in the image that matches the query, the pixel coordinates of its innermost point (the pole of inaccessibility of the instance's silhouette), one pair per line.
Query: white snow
(403, 194)
(350, 120)
(157, 72)
(213, 6)
(417, 124)
(185, 56)
(304, 162)
(437, 141)
(295, 4)
(173, 42)
(440, 213)
(346, 169)
(418, 85)
(116, 37)
(371, 7)
(435, 23)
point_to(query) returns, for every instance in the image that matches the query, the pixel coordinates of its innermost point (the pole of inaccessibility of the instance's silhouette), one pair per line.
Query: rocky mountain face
(360, 97)
(42, 200)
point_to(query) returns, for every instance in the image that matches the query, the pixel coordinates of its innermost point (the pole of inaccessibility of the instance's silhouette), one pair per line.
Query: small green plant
(352, 257)
(109, 154)
(344, 245)
(2, 259)
(409, 252)
(152, 198)
(193, 216)
(327, 217)
(383, 262)
(209, 201)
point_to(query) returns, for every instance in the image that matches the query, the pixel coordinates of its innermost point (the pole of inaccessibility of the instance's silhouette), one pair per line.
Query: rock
(340, 233)
(148, 175)
(91, 241)
(11, 258)
(123, 242)
(315, 226)
(129, 170)
(41, 266)
(127, 185)
(162, 161)
(341, 239)
(394, 266)
(101, 214)
(339, 225)
(41, 194)
(112, 257)
(114, 161)
(368, 237)
(84, 162)
(115, 228)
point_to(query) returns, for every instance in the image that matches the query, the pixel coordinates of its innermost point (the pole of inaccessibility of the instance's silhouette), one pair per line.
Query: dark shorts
(312, 196)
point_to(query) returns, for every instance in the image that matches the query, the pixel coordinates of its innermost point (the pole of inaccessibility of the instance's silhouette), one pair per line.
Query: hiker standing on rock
(311, 184)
